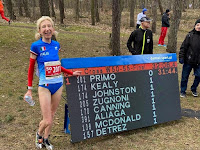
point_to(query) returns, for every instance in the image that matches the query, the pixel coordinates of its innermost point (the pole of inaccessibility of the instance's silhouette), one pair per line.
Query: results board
(121, 93)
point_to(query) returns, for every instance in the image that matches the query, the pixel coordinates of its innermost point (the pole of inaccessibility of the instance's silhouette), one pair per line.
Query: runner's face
(46, 29)
(197, 27)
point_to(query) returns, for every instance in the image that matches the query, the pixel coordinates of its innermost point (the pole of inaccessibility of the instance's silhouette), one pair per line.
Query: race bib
(52, 69)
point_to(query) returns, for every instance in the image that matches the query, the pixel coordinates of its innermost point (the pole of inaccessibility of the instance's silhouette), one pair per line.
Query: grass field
(19, 122)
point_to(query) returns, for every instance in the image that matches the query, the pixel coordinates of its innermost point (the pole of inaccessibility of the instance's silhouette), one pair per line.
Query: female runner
(45, 51)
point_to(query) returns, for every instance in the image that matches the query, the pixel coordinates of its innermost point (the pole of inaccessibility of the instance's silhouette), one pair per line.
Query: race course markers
(121, 93)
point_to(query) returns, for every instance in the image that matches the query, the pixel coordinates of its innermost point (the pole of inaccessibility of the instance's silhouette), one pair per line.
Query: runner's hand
(28, 93)
(77, 73)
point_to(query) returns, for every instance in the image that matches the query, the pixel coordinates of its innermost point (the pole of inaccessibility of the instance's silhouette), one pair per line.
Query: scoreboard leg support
(66, 122)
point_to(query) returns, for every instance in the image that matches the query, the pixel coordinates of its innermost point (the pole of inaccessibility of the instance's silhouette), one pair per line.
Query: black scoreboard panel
(112, 99)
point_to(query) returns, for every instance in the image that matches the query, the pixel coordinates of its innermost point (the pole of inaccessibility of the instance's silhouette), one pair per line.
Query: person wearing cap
(141, 39)
(139, 16)
(189, 56)
(165, 26)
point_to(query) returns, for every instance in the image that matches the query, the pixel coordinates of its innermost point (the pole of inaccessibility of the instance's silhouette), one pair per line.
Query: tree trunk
(187, 3)
(26, 8)
(115, 39)
(20, 5)
(193, 4)
(184, 4)
(56, 4)
(44, 7)
(97, 10)
(53, 14)
(61, 8)
(132, 9)
(9, 6)
(81, 8)
(154, 12)
(199, 4)
(121, 7)
(33, 5)
(77, 15)
(101, 4)
(142, 3)
(170, 4)
(175, 21)
(160, 6)
(86, 6)
(92, 12)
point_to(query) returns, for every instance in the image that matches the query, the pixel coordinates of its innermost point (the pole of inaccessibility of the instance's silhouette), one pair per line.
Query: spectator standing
(139, 16)
(189, 56)
(165, 26)
(141, 38)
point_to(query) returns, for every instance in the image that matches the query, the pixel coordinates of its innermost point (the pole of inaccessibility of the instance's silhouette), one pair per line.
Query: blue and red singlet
(49, 65)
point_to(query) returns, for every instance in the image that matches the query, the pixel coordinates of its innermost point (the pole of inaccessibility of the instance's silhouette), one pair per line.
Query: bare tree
(20, 5)
(199, 4)
(101, 4)
(33, 4)
(44, 7)
(154, 13)
(160, 6)
(57, 4)
(76, 8)
(132, 9)
(121, 8)
(61, 8)
(53, 14)
(170, 4)
(193, 4)
(81, 7)
(9, 6)
(96, 3)
(26, 8)
(86, 6)
(142, 2)
(184, 5)
(175, 21)
(92, 12)
(115, 39)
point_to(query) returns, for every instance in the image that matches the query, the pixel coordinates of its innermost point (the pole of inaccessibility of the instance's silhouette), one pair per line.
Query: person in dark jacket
(141, 38)
(189, 56)
(165, 26)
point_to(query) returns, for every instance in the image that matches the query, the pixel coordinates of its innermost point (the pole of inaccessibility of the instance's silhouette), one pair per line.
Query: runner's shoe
(38, 141)
(47, 144)
(165, 45)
